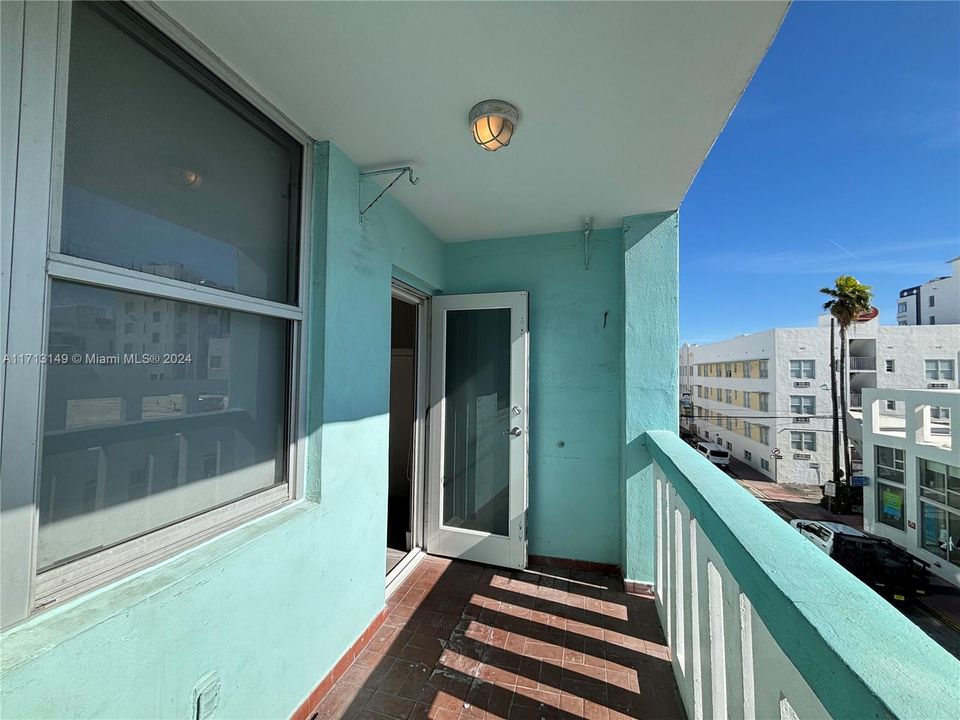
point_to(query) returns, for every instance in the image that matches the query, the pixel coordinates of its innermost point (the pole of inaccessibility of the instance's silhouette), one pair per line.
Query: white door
(477, 484)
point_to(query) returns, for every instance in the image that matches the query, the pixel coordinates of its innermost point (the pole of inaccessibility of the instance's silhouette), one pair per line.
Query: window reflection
(130, 446)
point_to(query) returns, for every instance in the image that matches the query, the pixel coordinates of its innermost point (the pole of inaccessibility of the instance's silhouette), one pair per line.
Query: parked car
(887, 568)
(714, 453)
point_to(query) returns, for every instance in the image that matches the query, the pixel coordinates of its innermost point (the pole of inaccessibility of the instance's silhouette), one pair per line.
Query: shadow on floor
(467, 641)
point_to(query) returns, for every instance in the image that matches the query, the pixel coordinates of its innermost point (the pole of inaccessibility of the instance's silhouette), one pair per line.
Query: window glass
(890, 505)
(195, 420)
(171, 173)
(934, 533)
(889, 464)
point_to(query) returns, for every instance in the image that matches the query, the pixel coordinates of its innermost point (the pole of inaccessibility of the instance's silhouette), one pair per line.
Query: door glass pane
(150, 417)
(167, 171)
(476, 473)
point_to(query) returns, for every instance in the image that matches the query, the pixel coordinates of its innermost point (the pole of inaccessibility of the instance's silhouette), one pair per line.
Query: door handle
(515, 431)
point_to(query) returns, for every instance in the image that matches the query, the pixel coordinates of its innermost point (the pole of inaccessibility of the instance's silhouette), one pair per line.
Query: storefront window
(940, 510)
(890, 505)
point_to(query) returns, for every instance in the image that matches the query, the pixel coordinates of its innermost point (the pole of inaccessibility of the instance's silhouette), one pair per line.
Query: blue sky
(842, 157)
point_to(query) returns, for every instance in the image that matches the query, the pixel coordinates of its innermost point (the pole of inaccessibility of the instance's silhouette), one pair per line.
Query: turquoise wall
(272, 605)
(575, 329)
(651, 382)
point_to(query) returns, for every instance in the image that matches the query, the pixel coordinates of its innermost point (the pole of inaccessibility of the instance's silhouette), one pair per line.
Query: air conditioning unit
(801, 384)
(801, 420)
(938, 386)
(801, 456)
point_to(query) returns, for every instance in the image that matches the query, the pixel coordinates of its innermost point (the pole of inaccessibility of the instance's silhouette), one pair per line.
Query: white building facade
(766, 397)
(912, 462)
(936, 302)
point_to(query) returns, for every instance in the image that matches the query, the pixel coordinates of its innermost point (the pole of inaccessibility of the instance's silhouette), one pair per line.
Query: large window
(803, 441)
(938, 369)
(803, 404)
(173, 308)
(940, 510)
(802, 369)
(889, 470)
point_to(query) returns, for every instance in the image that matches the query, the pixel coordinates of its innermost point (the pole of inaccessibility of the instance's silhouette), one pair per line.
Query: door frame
(487, 548)
(400, 290)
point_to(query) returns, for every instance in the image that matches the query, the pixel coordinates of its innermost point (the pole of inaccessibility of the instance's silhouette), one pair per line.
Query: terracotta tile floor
(464, 641)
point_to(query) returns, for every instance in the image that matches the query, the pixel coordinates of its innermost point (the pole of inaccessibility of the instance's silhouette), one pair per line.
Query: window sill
(48, 629)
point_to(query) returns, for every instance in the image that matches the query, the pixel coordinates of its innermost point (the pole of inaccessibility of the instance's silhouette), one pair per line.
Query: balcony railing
(763, 624)
(862, 363)
(856, 401)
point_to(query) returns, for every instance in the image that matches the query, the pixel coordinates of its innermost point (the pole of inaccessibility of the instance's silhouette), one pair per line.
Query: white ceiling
(619, 102)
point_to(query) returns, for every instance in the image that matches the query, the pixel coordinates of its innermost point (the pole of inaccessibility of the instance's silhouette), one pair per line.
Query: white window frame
(39, 36)
(764, 435)
(800, 368)
(801, 438)
(799, 403)
(901, 307)
(764, 369)
(941, 368)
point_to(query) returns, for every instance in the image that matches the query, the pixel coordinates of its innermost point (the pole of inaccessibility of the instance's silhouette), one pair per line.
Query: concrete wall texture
(271, 605)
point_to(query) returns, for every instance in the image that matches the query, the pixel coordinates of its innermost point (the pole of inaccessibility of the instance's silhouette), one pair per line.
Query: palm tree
(849, 299)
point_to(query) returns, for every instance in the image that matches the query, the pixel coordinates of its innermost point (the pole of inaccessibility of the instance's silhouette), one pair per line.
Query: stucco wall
(272, 605)
(576, 322)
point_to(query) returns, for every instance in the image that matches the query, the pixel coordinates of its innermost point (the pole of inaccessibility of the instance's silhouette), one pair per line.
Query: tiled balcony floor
(464, 641)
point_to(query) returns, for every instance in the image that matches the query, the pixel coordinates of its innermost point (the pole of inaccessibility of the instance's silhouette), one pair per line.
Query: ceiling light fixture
(493, 123)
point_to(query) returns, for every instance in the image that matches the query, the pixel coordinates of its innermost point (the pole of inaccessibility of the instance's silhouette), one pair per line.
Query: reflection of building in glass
(177, 437)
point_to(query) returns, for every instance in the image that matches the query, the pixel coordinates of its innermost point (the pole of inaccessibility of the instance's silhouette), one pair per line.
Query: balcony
(856, 401)
(861, 363)
(755, 635)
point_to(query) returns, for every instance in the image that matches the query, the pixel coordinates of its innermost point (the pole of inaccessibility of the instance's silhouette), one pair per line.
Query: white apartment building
(936, 302)
(911, 457)
(770, 391)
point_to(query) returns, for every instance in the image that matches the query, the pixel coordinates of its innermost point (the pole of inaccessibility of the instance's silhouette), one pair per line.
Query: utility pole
(833, 399)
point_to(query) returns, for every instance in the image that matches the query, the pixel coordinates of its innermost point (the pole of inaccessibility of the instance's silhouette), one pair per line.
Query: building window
(728, 396)
(890, 365)
(747, 369)
(764, 435)
(889, 469)
(889, 464)
(901, 307)
(940, 510)
(891, 405)
(803, 404)
(229, 224)
(940, 415)
(803, 440)
(747, 428)
(933, 320)
(764, 464)
(729, 445)
(938, 369)
(747, 455)
(802, 369)
(764, 402)
(747, 396)
(763, 369)
(727, 370)
(901, 322)
(931, 302)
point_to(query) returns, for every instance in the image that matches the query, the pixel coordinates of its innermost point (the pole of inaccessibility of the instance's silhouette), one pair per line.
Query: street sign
(830, 489)
(859, 480)
(776, 453)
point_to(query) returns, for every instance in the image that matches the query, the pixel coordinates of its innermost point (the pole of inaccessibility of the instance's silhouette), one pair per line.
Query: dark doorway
(403, 403)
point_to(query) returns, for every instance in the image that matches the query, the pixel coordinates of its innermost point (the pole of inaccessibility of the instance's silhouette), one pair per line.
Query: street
(938, 615)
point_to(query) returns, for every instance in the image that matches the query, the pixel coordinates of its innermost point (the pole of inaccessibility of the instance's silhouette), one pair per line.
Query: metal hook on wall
(587, 231)
(401, 171)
